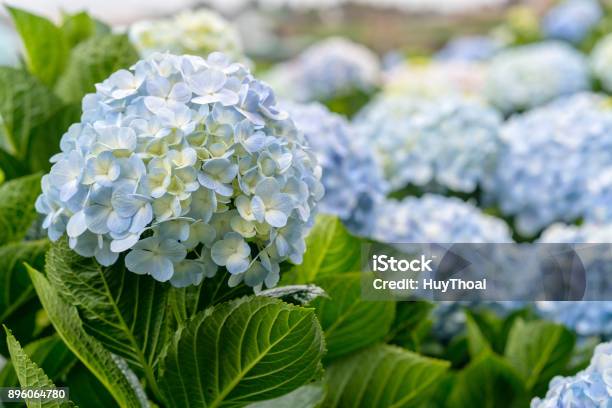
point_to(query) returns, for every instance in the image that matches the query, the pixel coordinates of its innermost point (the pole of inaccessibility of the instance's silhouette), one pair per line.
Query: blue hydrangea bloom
(586, 318)
(590, 388)
(469, 48)
(555, 163)
(335, 66)
(572, 20)
(524, 77)
(449, 142)
(436, 219)
(601, 62)
(188, 165)
(353, 182)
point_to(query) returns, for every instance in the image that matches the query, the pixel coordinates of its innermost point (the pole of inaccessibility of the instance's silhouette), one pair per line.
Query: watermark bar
(487, 272)
(12, 394)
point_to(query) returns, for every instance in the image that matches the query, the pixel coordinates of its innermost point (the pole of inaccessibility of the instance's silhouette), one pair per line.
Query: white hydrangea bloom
(195, 32)
(335, 66)
(524, 77)
(555, 164)
(590, 388)
(601, 62)
(448, 142)
(187, 164)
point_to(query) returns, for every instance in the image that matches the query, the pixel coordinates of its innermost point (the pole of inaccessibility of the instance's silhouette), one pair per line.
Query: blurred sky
(116, 12)
(121, 12)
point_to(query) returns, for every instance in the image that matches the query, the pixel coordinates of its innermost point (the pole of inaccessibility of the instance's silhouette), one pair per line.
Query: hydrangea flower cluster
(601, 62)
(189, 165)
(586, 318)
(198, 32)
(469, 48)
(524, 77)
(555, 163)
(437, 79)
(449, 142)
(332, 67)
(437, 219)
(353, 182)
(590, 388)
(572, 20)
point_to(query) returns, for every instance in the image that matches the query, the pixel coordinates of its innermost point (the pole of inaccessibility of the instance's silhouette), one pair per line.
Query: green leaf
(330, 249)
(488, 382)
(17, 211)
(45, 138)
(307, 396)
(24, 104)
(78, 27)
(31, 375)
(109, 369)
(243, 351)
(9, 165)
(349, 322)
(411, 324)
(382, 376)
(45, 45)
(126, 312)
(49, 353)
(539, 350)
(86, 390)
(477, 340)
(24, 323)
(15, 286)
(186, 302)
(92, 61)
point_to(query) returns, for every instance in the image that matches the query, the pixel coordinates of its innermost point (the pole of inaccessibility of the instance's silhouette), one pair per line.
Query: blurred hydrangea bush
(438, 78)
(438, 219)
(187, 164)
(525, 77)
(590, 388)
(555, 163)
(586, 318)
(194, 32)
(601, 62)
(353, 183)
(448, 142)
(469, 48)
(572, 20)
(325, 70)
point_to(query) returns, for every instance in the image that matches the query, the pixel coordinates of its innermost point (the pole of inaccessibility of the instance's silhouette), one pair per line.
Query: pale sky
(121, 12)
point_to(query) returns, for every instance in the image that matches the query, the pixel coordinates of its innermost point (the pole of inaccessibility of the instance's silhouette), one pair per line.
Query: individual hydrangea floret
(524, 77)
(469, 48)
(590, 388)
(572, 20)
(197, 32)
(188, 165)
(555, 164)
(332, 67)
(448, 142)
(437, 219)
(601, 62)
(584, 317)
(353, 182)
